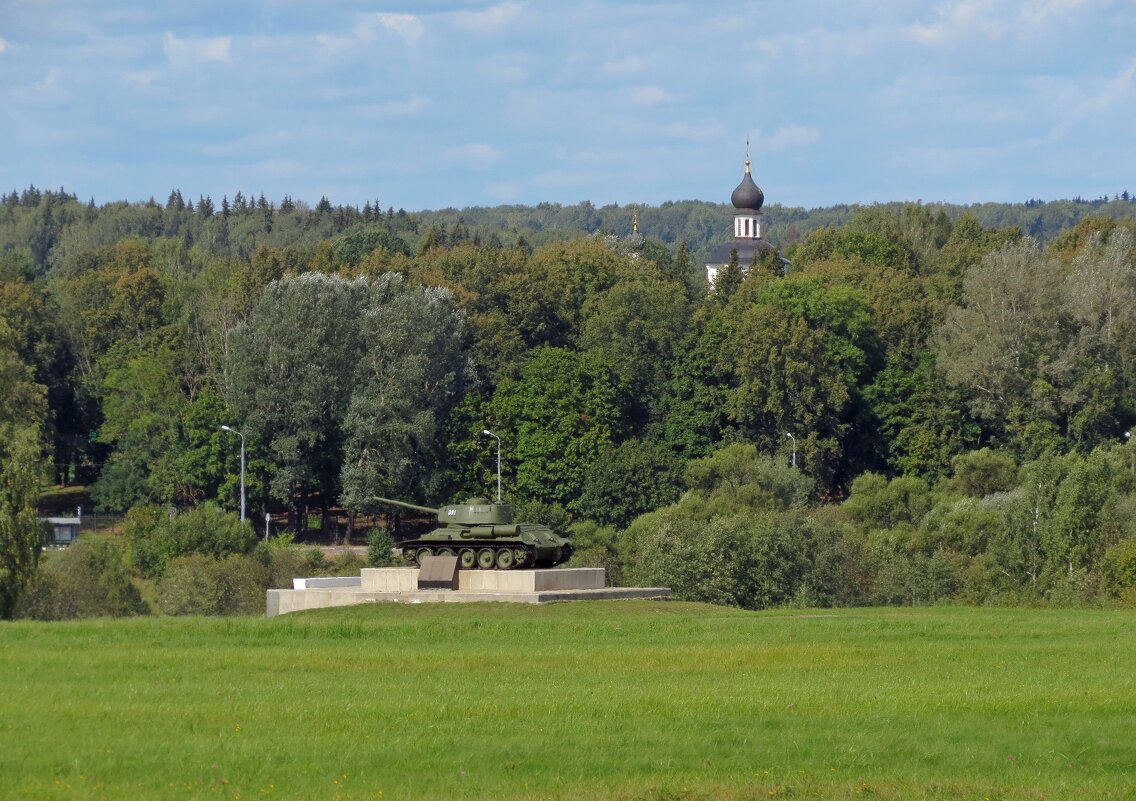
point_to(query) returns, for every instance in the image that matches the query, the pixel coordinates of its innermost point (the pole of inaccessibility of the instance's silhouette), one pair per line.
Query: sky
(455, 103)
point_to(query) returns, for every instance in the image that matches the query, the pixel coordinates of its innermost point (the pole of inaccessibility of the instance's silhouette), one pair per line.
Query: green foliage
(634, 477)
(353, 247)
(21, 533)
(288, 408)
(87, 579)
(157, 537)
(983, 472)
(738, 479)
(698, 560)
(199, 584)
(553, 515)
(876, 502)
(753, 561)
(1118, 567)
(798, 353)
(379, 545)
(562, 412)
(414, 370)
(597, 546)
(391, 364)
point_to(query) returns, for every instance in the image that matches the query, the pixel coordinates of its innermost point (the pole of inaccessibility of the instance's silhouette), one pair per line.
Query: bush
(737, 479)
(88, 579)
(347, 563)
(553, 515)
(1118, 568)
(156, 537)
(597, 546)
(197, 584)
(285, 561)
(379, 548)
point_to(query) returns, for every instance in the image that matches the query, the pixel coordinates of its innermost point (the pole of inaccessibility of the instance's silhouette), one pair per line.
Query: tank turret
(482, 534)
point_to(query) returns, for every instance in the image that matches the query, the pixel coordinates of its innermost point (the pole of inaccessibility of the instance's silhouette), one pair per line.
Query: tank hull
(492, 547)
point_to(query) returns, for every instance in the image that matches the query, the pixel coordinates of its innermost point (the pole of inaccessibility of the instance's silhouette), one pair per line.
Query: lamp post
(794, 439)
(242, 436)
(487, 433)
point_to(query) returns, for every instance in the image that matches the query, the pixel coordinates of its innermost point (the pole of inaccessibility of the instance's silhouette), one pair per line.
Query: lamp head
(226, 428)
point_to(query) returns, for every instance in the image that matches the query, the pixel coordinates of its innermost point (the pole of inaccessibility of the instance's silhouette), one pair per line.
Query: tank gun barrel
(406, 505)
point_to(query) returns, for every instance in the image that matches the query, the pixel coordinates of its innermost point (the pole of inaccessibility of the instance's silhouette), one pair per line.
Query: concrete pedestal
(400, 585)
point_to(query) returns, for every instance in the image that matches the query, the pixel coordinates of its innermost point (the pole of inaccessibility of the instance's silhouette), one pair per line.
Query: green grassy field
(623, 700)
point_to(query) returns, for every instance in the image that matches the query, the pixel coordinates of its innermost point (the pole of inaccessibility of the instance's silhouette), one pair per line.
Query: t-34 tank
(482, 534)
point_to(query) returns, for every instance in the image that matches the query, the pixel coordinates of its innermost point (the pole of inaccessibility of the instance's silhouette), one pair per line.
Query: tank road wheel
(486, 558)
(505, 558)
(520, 557)
(421, 555)
(467, 558)
(445, 552)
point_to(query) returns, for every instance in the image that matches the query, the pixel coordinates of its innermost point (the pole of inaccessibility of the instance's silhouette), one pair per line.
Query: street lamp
(487, 433)
(242, 436)
(794, 439)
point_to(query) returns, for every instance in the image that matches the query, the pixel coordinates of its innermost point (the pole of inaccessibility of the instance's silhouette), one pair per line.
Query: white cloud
(505, 68)
(493, 19)
(789, 137)
(408, 26)
(141, 79)
(1037, 12)
(629, 65)
(367, 29)
(1093, 106)
(3, 44)
(188, 52)
(475, 156)
(50, 81)
(397, 108)
(648, 95)
(959, 19)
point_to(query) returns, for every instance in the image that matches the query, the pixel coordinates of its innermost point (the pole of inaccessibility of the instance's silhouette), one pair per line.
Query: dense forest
(930, 402)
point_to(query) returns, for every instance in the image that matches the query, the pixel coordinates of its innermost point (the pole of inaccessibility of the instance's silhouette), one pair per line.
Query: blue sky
(438, 103)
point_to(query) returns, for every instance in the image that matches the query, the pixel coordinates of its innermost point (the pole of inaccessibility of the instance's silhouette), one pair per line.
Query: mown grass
(623, 700)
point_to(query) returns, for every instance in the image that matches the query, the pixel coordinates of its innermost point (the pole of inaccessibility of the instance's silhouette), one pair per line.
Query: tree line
(361, 352)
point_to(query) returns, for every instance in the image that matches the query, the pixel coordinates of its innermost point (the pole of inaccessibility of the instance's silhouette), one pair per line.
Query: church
(747, 199)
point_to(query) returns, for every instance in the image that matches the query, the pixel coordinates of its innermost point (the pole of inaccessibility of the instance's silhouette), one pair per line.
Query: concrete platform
(400, 585)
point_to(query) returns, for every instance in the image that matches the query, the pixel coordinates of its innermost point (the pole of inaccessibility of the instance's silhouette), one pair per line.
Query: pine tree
(730, 278)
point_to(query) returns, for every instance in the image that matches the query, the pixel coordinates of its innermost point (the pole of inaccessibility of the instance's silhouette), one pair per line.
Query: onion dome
(748, 196)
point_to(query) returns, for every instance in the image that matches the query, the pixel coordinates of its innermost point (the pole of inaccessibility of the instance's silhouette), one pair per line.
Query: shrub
(1118, 568)
(379, 548)
(284, 561)
(88, 579)
(597, 546)
(553, 515)
(752, 561)
(156, 537)
(197, 584)
(347, 563)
